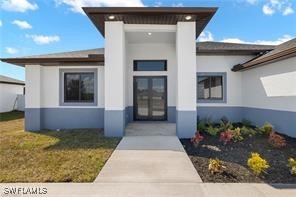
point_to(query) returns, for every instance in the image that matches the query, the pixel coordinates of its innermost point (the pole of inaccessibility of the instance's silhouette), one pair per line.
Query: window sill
(78, 104)
(211, 101)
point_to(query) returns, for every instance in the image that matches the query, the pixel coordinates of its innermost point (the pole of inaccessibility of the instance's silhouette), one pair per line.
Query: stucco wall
(49, 86)
(266, 93)
(8, 95)
(269, 95)
(42, 107)
(224, 63)
(232, 108)
(271, 87)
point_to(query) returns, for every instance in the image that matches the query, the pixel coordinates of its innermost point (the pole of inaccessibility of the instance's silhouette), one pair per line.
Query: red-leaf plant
(197, 138)
(225, 136)
(276, 140)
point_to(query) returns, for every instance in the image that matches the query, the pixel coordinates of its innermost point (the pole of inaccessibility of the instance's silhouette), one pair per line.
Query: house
(11, 94)
(152, 69)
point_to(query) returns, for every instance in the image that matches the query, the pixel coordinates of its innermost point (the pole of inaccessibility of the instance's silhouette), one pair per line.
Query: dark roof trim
(270, 59)
(150, 15)
(12, 83)
(148, 10)
(95, 58)
(228, 52)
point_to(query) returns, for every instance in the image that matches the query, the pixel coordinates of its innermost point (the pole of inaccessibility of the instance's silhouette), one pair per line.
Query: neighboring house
(11, 94)
(152, 69)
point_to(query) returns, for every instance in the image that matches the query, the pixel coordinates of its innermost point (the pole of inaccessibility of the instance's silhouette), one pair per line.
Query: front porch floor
(152, 128)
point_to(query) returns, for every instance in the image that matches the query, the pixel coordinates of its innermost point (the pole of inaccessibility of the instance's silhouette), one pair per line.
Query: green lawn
(11, 116)
(50, 156)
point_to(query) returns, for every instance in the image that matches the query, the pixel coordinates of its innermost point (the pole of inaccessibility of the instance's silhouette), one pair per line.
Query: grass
(50, 156)
(6, 116)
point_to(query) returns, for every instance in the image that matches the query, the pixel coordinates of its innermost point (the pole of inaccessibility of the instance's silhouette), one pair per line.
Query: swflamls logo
(24, 190)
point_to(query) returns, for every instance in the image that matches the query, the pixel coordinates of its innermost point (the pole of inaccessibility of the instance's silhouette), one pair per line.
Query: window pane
(203, 89)
(158, 99)
(142, 85)
(71, 87)
(216, 87)
(87, 87)
(150, 65)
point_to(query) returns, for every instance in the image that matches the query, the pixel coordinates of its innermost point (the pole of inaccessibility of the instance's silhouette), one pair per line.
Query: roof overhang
(150, 15)
(263, 61)
(228, 52)
(23, 61)
(12, 83)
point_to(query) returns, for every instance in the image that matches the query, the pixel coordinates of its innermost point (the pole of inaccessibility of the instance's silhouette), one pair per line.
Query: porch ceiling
(151, 37)
(150, 15)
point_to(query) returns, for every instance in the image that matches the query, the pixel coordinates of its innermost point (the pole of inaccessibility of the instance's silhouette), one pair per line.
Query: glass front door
(150, 98)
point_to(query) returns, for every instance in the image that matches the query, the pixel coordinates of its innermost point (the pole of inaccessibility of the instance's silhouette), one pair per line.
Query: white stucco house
(152, 69)
(11, 94)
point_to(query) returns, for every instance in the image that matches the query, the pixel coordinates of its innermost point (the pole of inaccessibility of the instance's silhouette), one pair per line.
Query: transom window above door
(150, 65)
(211, 87)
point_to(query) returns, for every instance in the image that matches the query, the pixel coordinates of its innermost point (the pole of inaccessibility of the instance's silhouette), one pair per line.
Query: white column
(186, 79)
(114, 116)
(33, 97)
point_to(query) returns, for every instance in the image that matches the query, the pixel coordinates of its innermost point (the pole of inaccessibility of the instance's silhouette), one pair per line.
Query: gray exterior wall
(186, 123)
(70, 118)
(63, 118)
(215, 113)
(114, 123)
(283, 121)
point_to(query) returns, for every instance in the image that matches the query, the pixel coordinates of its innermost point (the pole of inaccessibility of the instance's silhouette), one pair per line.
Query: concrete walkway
(149, 159)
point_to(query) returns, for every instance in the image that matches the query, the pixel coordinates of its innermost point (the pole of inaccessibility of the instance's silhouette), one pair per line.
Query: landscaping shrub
(196, 139)
(276, 140)
(208, 120)
(224, 119)
(225, 124)
(212, 130)
(266, 129)
(202, 126)
(246, 123)
(247, 131)
(215, 166)
(225, 137)
(236, 135)
(257, 164)
(292, 164)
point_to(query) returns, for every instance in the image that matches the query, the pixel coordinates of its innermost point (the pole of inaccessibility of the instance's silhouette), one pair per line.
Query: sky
(31, 27)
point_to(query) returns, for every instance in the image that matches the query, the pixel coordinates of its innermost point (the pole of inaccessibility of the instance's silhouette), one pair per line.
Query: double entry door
(150, 98)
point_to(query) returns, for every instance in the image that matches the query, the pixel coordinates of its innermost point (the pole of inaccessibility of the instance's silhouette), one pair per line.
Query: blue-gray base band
(63, 118)
(114, 123)
(186, 123)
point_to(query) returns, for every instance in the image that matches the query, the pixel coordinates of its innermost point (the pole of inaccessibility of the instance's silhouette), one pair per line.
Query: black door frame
(150, 117)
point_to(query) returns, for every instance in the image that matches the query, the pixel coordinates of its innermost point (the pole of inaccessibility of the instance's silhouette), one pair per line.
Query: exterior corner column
(114, 114)
(33, 98)
(186, 116)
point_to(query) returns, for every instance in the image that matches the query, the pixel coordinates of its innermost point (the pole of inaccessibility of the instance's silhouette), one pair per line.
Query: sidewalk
(156, 189)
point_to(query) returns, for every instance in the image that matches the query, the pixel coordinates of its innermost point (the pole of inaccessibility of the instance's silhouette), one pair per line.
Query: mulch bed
(235, 156)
